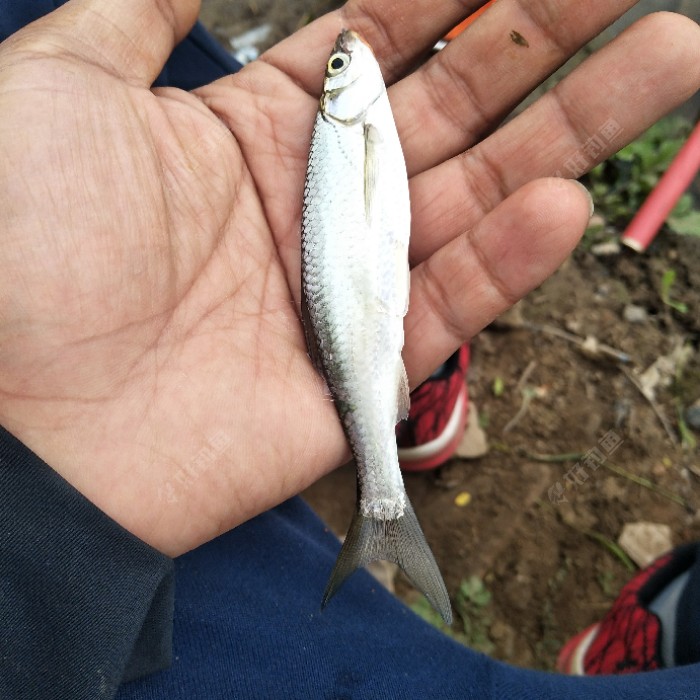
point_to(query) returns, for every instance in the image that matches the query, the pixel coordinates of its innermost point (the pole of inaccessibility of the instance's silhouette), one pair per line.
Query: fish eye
(337, 63)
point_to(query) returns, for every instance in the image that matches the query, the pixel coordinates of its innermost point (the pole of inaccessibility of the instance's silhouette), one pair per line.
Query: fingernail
(591, 206)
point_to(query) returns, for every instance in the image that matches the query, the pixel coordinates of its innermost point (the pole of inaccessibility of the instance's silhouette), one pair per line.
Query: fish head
(353, 79)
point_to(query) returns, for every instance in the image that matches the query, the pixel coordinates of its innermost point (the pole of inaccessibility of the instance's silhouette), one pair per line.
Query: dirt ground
(547, 561)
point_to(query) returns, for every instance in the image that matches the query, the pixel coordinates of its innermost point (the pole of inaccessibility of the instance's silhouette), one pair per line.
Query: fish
(355, 288)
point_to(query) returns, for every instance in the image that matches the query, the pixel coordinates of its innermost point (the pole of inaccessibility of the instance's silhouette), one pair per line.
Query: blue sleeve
(84, 605)
(15, 14)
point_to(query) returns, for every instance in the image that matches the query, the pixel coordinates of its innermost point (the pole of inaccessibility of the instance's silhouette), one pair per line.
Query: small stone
(635, 314)
(597, 222)
(573, 325)
(659, 469)
(644, 541)
(474, 443)
(605, 249)
(591, 347)
(692, 415)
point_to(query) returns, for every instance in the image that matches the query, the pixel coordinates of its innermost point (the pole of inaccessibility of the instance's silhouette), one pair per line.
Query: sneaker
(629, 638)
(437, 417)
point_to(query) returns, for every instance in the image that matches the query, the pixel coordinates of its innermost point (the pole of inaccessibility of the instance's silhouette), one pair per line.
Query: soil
(541, 557)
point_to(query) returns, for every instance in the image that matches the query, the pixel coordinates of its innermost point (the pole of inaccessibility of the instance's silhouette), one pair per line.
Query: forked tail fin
(401, 541)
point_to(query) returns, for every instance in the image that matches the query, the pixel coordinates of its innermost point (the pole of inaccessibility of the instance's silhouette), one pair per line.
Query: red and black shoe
(437, 417)
(629, 638)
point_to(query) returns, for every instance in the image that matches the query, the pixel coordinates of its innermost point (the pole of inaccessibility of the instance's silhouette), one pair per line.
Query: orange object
(456, 31)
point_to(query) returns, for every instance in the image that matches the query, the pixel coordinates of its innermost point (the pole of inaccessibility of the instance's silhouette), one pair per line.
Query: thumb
(131, 39)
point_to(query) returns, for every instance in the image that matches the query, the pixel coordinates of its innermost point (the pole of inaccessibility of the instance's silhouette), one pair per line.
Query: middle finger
(466, 89)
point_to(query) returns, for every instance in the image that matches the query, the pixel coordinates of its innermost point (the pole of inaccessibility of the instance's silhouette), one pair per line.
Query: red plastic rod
(658, 205)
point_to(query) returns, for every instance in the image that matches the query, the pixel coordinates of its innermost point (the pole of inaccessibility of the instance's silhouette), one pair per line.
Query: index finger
(462, 93)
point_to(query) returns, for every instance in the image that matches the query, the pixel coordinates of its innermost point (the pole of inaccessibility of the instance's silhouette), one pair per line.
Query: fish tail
(401, 541)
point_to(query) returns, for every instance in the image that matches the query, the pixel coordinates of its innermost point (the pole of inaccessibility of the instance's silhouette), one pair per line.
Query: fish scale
(355, 287)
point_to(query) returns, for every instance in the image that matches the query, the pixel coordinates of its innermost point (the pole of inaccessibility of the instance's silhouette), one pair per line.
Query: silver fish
(355, 285)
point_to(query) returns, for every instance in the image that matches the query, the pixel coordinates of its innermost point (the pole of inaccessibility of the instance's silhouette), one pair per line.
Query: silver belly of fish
(355, 288)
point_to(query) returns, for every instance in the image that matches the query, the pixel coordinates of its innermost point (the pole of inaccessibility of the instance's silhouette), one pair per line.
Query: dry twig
(654, 406)
(590, 346)
(527, 394)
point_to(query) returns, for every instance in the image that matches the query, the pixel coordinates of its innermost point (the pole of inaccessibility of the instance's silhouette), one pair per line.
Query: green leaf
(688, 224)
(613, 548)
(667, 281)
(474, 591)
(498, 387)
(684, 206)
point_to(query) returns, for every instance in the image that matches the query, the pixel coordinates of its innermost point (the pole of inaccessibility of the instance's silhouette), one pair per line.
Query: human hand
(150, 347)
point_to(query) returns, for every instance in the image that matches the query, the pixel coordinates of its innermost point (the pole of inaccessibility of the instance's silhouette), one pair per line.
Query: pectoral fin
(372, 141)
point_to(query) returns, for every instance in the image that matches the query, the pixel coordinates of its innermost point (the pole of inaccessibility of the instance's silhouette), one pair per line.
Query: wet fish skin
(355, 287)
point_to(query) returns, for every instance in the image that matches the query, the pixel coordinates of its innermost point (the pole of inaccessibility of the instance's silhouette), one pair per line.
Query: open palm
(150, 347)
